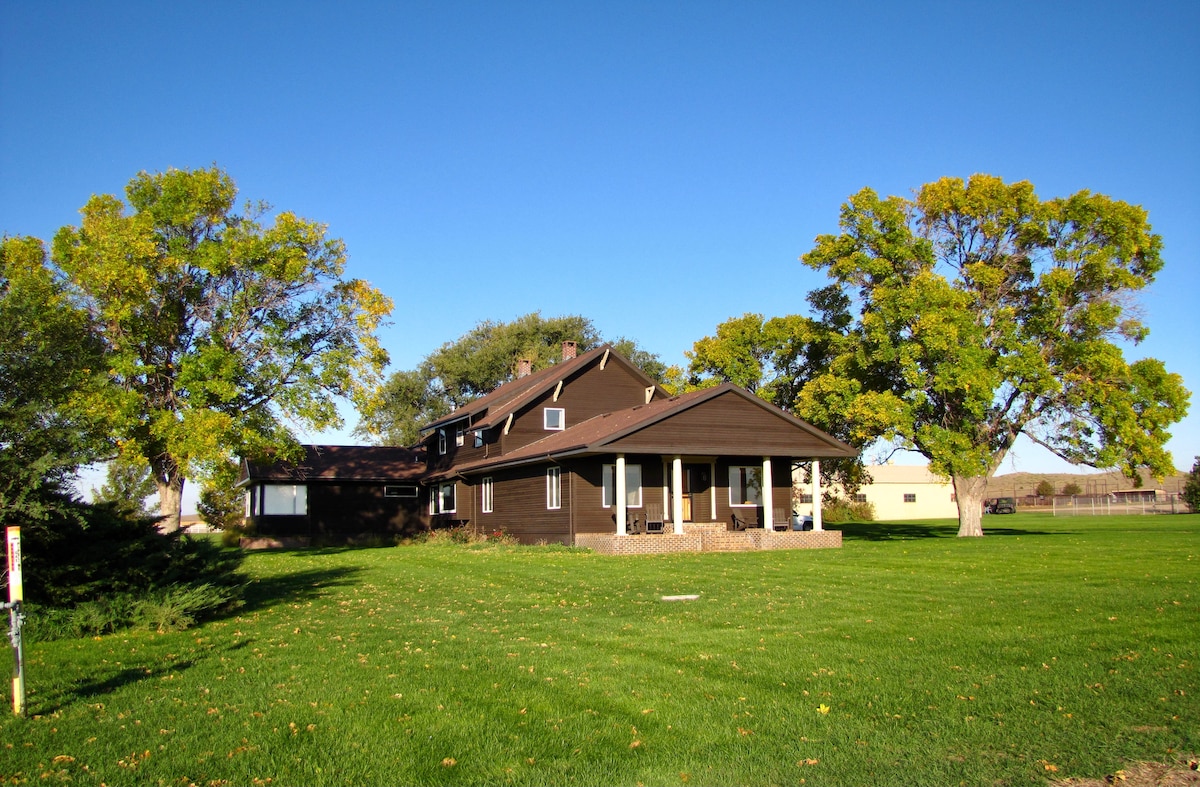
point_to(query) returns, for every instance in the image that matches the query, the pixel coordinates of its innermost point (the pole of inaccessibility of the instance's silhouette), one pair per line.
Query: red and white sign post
(15, 618)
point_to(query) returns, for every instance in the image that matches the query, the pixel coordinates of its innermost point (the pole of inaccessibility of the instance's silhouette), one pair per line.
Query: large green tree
(976, 312)
(220, 329)
(50, 375)
(481, 360)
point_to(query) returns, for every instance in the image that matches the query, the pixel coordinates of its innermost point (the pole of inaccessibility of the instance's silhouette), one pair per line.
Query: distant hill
(1098, 483)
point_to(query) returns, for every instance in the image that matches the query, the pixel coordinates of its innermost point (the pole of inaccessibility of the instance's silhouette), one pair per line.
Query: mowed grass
(1051, 648)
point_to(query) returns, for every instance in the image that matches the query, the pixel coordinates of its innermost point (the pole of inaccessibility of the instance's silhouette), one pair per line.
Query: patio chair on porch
(740, 523)
(632, 525)
(782, 519)
(654, 518)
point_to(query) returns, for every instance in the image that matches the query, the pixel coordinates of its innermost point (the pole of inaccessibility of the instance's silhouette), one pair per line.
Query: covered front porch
(759, 512)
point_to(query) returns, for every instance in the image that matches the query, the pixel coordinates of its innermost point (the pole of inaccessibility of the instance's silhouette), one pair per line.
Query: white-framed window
(441, 500)
(442, 442)
(554, 419)
(284, 500)
(458, 437)
(553, 487)
(633, 486)
(400, 490)
(859, 497)
(249, 501)
(910, 497)
(485, 494)
(745, 485)
(478, 438)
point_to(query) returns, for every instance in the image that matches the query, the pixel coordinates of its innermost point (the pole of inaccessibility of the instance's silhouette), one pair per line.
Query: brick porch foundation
(716, 537)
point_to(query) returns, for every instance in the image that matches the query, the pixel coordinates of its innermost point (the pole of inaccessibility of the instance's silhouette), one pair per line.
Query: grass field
(1052, 648)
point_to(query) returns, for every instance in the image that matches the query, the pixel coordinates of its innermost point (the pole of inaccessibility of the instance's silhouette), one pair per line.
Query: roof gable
(493, 408)
(722, 420)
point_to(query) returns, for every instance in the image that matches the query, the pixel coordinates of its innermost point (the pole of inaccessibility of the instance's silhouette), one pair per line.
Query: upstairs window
(478, 438)
(554, 418)
(458, 437)
(442, 442)
(910, 497)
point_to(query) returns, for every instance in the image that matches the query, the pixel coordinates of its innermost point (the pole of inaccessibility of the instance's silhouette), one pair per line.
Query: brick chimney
(524, 367)
(568, 351)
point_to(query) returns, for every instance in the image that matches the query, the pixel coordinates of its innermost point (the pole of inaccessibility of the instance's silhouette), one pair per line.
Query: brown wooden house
(589, 452)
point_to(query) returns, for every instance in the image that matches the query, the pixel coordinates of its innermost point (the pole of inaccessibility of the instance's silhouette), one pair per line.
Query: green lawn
(1052, 648)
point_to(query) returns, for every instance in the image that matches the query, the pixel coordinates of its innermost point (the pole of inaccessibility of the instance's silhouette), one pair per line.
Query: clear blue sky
(658, 167)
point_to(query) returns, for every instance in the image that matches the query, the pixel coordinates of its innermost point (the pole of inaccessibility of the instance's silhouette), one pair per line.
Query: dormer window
(442, 442)
(554, 419)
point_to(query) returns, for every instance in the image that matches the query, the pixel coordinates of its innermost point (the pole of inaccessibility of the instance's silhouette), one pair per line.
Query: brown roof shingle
(343, 463)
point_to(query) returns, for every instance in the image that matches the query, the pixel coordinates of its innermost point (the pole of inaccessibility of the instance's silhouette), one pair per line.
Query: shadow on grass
(911, 531)
(102, 684)
(294, 586)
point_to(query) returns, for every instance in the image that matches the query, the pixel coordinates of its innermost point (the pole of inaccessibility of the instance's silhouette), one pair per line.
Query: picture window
(745, 485)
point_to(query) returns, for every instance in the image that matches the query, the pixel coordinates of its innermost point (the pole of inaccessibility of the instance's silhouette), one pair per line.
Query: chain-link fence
(1104, 505)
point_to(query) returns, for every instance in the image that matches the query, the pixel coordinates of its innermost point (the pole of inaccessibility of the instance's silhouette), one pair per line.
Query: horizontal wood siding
(519, 506)
(725, 425)
(589, 393)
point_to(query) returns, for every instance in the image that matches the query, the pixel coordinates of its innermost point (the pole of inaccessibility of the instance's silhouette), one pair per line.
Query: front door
(696, 485)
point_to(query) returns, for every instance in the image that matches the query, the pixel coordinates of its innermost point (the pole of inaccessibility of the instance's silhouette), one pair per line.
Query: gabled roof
(491, 409)
(341, 463)
(603, 433)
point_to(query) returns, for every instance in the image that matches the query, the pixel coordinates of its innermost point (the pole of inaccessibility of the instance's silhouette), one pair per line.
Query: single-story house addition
(592, 452)
(336, 493)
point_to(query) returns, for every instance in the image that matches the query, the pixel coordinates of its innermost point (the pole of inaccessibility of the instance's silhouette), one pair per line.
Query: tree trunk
(169, 481)
(969, 491)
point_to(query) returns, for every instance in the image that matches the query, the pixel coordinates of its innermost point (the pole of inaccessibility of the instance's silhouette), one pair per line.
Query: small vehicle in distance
(1000, 505)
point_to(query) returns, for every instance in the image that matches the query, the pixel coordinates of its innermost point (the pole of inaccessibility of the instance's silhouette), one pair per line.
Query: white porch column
(768, 495)
(619, 493)
(816, 495)
(677, 494)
